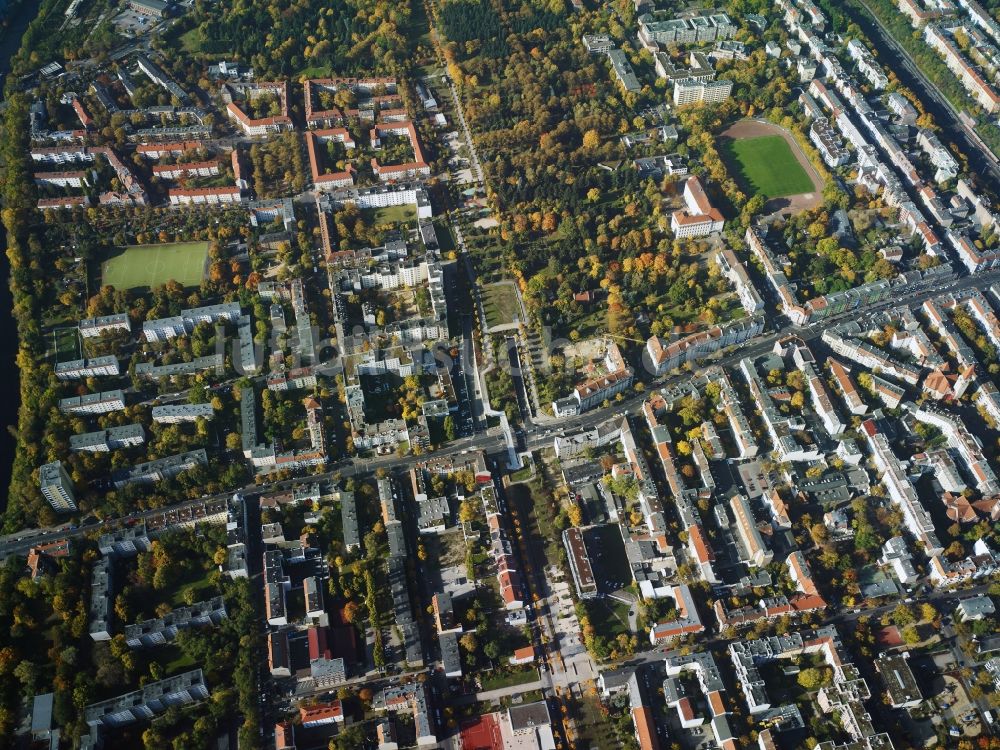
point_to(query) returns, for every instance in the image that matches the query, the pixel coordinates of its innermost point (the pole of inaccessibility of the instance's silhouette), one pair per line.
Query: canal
(10, 42)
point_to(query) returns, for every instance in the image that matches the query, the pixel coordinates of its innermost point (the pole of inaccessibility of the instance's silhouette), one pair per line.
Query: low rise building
(623, 71)
(687, 622)
(598, 44)
(529, 726)
(897, 556)
(976, 608)
(900, 683)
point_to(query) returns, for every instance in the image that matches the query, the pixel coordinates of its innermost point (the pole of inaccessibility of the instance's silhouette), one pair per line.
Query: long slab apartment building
(941, 41)
(709, 28)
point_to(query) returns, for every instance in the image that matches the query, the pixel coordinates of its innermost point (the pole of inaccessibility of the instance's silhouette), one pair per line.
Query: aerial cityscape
(492, 375)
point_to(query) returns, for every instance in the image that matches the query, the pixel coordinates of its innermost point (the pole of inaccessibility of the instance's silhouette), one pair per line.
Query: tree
(351, 737)
(902, 615)
(352, 612)
(469, 642)
(27, 674)
(591, 140)
(813, 678)
(467, 510)
(819, 534)
(955, 550)
(574, 514)
(911, 636)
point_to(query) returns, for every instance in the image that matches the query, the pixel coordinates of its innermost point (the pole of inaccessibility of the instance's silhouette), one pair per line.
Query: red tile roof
(322, 712)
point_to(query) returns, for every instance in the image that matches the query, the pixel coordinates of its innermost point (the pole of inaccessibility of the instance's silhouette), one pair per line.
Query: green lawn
(66, 344)
(493, 681)
(391, 214)
(608, 616)
(174, 661)
(192, 41)
(500, 303)
(151, 265)
(446, 240)
(315, 71)
(767, 166)
(595, 730)
(202, 587)
(524, 474)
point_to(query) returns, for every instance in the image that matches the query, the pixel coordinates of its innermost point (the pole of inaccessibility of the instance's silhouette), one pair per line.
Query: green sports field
(767, 166)
(152, 265)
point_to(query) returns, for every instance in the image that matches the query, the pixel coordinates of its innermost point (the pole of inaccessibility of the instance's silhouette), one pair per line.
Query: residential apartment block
(940, 39)
(717, 26)
(691, 91)
(57, 487)
(111, 439)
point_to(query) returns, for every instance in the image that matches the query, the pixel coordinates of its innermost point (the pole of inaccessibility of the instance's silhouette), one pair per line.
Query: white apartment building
(208, 196)
(736, 273)
(57, 487)
(690, 91)
(87, 368)
(93, 327)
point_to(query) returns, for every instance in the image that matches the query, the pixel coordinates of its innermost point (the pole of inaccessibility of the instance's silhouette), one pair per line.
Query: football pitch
(151, 265)
(767, 166)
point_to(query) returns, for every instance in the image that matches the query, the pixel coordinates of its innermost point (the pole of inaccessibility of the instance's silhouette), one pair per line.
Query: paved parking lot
(130, 23)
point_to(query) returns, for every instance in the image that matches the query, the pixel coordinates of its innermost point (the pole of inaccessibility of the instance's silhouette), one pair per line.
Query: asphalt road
(536, 435)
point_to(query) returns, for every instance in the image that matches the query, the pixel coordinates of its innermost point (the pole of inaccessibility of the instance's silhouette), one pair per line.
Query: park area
(146, 266)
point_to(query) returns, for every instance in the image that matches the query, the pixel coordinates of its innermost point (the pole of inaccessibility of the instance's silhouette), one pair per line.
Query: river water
(10, 42)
